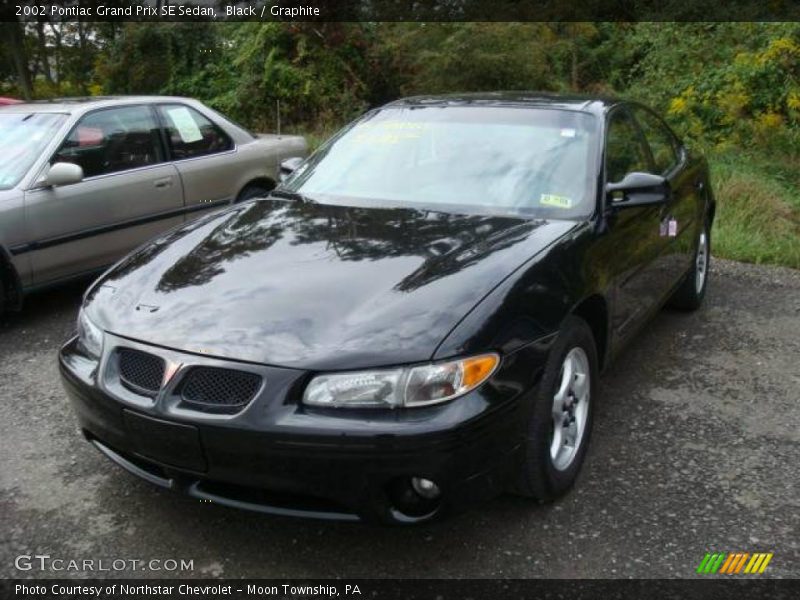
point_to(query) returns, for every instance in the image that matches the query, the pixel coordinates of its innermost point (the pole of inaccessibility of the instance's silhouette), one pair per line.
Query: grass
(316, 138)
(316, 135)
(758, 210)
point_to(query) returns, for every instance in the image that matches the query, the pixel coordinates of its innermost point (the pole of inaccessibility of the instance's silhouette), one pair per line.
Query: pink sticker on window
(89, 136)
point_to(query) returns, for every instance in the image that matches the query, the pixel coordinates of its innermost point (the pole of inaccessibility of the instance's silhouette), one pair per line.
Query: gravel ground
(696, 448)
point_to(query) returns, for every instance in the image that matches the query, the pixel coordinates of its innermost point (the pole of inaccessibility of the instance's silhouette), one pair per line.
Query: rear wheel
(252, 191)
(692, 291)
(561, 417)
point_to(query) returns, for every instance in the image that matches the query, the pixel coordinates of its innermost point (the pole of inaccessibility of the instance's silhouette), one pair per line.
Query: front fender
(530, 305)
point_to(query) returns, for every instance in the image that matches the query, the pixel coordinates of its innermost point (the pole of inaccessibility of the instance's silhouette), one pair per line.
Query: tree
(14, 35)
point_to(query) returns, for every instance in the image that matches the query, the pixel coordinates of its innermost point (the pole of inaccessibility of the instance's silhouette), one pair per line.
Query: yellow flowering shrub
(778, 49)
(756, 93)
(733, 102)
(678, 106)
(768, 120)
(793, 100)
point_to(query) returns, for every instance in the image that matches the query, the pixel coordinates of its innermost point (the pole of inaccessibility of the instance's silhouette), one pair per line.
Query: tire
(689, 296)
(550, 467)
(252, 191)
(2, 296)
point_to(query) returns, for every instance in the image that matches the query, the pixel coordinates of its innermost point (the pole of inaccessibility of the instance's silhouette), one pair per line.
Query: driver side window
(663, 145)
(625, 152)
(112, 140)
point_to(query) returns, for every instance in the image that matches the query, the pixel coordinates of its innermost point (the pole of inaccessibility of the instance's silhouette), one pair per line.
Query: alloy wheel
(701, 265)
(570, 409)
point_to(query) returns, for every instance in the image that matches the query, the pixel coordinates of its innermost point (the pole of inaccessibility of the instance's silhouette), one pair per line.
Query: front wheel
(561, 415)
(689, 296)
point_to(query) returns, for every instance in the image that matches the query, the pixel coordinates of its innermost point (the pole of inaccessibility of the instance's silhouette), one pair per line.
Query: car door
(128, 194)
(632, 244)
(679, 220)
(204, 155)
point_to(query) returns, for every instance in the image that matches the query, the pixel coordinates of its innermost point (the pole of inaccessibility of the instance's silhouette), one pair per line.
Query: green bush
(731, 89)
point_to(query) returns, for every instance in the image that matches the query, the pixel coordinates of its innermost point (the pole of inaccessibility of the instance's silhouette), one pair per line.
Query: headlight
(408, 386)
(90, 336)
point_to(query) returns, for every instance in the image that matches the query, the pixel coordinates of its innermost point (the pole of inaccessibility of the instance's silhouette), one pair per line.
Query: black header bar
(401, 10)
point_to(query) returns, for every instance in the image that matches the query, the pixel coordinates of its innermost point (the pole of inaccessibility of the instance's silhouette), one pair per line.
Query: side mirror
(289, 166)
(62, 173)
(638, 189)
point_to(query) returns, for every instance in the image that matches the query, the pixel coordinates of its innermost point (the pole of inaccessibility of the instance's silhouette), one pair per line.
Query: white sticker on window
(570, 133)
(673, 228)
(185, 124)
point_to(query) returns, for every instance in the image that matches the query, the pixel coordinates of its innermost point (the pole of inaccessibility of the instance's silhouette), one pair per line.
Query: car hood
(314, 286)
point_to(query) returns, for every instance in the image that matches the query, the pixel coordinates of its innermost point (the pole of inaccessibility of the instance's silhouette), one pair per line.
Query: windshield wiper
(289, 195)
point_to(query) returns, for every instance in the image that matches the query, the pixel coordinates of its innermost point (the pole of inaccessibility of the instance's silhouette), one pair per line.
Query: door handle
(163, 183)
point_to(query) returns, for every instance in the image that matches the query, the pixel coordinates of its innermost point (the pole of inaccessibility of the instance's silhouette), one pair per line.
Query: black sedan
(413, 322)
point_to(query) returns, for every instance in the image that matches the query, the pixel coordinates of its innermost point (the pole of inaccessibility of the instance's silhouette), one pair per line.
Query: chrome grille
(212, 386)
(140, 372)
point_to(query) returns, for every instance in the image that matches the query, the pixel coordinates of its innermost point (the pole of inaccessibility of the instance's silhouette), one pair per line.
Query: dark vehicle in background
(83, 181)
(412, 322)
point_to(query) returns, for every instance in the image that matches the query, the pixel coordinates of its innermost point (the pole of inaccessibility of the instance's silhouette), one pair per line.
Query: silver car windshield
(530, 161)
(23, 137)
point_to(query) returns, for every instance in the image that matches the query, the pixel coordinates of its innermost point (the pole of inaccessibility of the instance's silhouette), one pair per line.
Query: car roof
(533, 99)
(83, 104)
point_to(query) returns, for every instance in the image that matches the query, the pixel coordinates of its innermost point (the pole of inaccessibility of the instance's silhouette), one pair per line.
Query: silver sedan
(83, 181)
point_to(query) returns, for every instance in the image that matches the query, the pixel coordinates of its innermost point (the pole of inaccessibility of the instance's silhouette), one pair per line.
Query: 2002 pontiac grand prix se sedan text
(414, 321)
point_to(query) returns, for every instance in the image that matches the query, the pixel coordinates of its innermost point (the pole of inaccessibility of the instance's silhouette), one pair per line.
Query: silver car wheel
(701, 265)
(570, 409)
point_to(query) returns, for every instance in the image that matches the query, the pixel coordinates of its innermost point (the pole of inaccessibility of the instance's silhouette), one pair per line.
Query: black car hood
(314, 286)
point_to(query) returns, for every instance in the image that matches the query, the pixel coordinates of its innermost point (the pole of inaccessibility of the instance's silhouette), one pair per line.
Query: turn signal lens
(411, 386)
(478, 369)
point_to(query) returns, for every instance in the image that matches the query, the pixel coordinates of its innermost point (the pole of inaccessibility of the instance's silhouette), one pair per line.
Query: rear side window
(112, 140)
(191, 134)
(625, 152)
(663, 144)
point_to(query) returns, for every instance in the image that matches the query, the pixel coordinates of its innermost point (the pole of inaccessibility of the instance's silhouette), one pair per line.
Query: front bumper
(278, 456)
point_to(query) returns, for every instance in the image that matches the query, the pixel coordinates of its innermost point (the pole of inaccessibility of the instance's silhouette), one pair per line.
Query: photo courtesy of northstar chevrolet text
(499, 297)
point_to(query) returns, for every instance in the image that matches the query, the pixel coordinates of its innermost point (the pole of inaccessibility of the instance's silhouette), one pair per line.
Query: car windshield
(527, 161)
(23, 137)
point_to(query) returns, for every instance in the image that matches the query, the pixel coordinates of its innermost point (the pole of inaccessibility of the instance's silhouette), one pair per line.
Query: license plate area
(167, 442)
